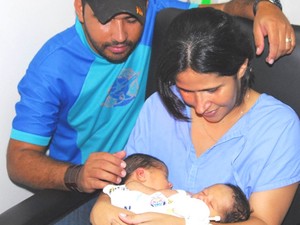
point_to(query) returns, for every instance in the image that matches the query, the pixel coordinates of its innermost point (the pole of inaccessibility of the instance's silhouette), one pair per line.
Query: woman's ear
(79, 10)
(242, 69)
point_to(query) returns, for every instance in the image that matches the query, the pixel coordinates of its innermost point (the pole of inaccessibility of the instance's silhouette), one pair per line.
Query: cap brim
(105, 10)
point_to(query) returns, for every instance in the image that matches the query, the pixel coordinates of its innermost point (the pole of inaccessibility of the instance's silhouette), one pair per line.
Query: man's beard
(114, 57)
(119, 58)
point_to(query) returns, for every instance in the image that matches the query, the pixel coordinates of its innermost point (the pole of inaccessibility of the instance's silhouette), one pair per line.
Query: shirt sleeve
(270, 158)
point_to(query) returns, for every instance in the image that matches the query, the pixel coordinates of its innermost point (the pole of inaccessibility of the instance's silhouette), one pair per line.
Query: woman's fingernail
(122, 214)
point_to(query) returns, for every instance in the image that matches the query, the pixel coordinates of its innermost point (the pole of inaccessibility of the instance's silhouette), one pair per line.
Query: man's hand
(270, 21)
(28, 164)
(100, 169)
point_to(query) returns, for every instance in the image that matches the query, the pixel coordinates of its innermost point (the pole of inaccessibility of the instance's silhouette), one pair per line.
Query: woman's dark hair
(207, 41)
(240, 211)
(139, 160)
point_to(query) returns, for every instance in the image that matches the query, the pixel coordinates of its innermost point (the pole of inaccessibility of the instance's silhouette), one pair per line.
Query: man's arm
(243, 8)
(28, 164)
(269, 21)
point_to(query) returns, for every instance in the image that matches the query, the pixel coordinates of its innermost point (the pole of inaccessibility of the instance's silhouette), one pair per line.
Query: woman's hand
(150, 219)
(104, 213)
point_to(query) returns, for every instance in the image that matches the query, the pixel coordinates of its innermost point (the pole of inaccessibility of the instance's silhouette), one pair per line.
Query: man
(83, 90)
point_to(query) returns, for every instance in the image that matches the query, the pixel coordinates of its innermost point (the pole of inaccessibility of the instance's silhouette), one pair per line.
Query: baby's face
(218, 198)
(158, 179)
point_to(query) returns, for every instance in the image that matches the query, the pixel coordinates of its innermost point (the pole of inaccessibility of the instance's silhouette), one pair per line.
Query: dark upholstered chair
(281, 80)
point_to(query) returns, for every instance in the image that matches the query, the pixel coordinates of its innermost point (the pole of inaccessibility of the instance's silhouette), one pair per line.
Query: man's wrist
(71, 177)
(275, 2)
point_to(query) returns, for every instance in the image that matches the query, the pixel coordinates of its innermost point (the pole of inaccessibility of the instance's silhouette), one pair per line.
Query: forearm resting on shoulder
(243, 8)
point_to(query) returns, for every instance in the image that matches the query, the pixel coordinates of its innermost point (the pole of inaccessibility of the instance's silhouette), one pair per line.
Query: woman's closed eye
(212, 90)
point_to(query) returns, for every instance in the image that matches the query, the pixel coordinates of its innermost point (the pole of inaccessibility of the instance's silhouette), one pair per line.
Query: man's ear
(140, 174)
(79, 10)
(243, 69)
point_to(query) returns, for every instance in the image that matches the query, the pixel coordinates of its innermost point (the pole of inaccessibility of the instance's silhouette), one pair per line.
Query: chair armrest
(44, 207)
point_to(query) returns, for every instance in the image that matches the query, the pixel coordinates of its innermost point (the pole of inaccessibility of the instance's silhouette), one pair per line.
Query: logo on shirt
(157, 201)
(124, 89)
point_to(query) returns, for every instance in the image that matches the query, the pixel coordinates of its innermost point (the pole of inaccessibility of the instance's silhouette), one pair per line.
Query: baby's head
(227, 201)
(147, 169)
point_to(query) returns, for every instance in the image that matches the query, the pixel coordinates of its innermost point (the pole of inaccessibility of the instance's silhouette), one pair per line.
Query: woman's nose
(201, 103)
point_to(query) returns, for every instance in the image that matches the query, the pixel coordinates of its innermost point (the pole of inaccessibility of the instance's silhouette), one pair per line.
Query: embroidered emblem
(124, 89)
(139, 11)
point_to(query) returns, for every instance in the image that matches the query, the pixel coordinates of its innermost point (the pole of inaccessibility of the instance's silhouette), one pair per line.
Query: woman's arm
(104, 213)
(151, 219)
(269, 208)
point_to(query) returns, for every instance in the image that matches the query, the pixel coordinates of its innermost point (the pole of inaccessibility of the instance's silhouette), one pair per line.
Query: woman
(209, 126)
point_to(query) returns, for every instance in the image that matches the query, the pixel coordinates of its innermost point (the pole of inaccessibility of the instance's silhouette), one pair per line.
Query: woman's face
(211, 96)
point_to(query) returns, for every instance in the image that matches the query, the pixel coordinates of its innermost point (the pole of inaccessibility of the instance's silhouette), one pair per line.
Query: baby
(146, 189)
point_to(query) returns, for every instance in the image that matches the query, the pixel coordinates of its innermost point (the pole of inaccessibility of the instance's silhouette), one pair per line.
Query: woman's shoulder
(152, 101)
(270, 107)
